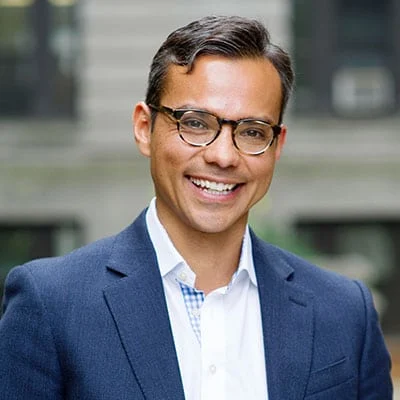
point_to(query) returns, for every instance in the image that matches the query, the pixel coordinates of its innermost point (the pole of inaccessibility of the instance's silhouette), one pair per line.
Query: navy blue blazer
(93, 325)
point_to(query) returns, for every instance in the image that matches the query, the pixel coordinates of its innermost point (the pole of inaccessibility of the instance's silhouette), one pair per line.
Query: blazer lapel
(137, 304)
(287, 317)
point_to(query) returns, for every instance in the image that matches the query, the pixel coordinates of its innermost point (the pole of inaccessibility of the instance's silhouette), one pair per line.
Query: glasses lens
(253, 136)
(198, 128)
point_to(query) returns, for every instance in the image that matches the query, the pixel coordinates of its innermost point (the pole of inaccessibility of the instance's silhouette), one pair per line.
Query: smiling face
(211, 189)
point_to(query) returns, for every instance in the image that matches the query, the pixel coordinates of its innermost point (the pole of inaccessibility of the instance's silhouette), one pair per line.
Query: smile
(218, 188)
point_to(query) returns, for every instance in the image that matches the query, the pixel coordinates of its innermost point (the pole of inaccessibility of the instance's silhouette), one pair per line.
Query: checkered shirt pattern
(193, 301)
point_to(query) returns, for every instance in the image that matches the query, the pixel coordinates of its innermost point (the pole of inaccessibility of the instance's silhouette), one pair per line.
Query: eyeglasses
(200, 128)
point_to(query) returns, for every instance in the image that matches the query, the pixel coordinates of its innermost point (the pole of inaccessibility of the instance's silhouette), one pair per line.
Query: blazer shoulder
(81, 258)
(304, 273)
(92, 256)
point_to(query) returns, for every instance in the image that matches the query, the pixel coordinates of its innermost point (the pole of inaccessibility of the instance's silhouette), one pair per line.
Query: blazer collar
(139, 309)
(287, 319)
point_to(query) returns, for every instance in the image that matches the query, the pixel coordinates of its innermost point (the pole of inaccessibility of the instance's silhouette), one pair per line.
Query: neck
(213, 257)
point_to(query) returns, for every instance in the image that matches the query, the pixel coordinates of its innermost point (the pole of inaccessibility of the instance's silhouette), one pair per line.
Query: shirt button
(183, 277)
(213, 369)
(196, 312)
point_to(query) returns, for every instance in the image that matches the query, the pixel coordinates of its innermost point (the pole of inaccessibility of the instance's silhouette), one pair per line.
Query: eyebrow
(193, 107)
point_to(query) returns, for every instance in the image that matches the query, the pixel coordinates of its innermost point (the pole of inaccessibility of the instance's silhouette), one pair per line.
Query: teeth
(213, 186)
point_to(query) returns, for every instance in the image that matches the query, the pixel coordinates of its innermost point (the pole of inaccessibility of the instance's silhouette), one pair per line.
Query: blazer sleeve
(374, 380)
(29, 366)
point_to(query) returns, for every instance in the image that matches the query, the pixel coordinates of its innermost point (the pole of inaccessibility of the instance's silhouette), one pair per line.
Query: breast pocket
(332, 380)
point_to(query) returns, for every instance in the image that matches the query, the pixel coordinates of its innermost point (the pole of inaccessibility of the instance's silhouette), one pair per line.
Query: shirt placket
(213, 347)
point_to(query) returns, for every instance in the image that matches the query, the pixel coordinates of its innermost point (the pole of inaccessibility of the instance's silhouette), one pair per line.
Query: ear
(280, 142)
(141, 121)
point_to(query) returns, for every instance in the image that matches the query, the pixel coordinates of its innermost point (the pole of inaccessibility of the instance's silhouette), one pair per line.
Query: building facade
(72, 71)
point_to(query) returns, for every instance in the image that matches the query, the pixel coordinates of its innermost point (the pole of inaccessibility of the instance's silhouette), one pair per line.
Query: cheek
(165, 161)
(263, 174)
(166, 145)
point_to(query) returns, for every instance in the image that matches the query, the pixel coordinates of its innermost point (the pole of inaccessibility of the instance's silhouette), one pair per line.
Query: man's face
(211, 189)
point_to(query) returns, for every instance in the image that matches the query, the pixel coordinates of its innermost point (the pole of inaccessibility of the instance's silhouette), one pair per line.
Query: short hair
(227, 36)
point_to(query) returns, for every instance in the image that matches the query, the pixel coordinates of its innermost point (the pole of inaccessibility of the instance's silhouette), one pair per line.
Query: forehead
(234, 88)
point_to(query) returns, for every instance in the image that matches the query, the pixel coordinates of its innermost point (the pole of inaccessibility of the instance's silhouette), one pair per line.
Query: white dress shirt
(218, 337)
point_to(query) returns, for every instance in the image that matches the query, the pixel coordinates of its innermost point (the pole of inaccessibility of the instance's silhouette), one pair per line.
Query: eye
(194, 122)
(253, 133)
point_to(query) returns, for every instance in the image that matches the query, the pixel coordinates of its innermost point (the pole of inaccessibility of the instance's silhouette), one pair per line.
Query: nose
(222, 151)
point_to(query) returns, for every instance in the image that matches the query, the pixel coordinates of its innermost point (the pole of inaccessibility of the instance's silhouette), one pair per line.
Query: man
(187, 302)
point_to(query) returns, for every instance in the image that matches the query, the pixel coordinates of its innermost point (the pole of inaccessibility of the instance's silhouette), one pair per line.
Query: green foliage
(289, 241)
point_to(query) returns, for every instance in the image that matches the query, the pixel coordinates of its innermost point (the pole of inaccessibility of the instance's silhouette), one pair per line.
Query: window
(347, 56)
(22, 242)
(362, 249)
(38, 58)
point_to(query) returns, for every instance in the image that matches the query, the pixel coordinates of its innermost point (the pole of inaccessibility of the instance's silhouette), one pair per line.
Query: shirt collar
(169, 258)
(246, 263)
(167, 255)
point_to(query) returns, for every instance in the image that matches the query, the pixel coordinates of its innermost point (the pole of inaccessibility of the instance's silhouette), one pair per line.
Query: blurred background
(71, 72)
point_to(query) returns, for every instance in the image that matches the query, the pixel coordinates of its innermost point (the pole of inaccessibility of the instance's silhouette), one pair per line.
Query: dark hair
(232, 37)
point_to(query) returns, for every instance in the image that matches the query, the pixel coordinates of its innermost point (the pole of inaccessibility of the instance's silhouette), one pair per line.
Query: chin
(213, 225)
